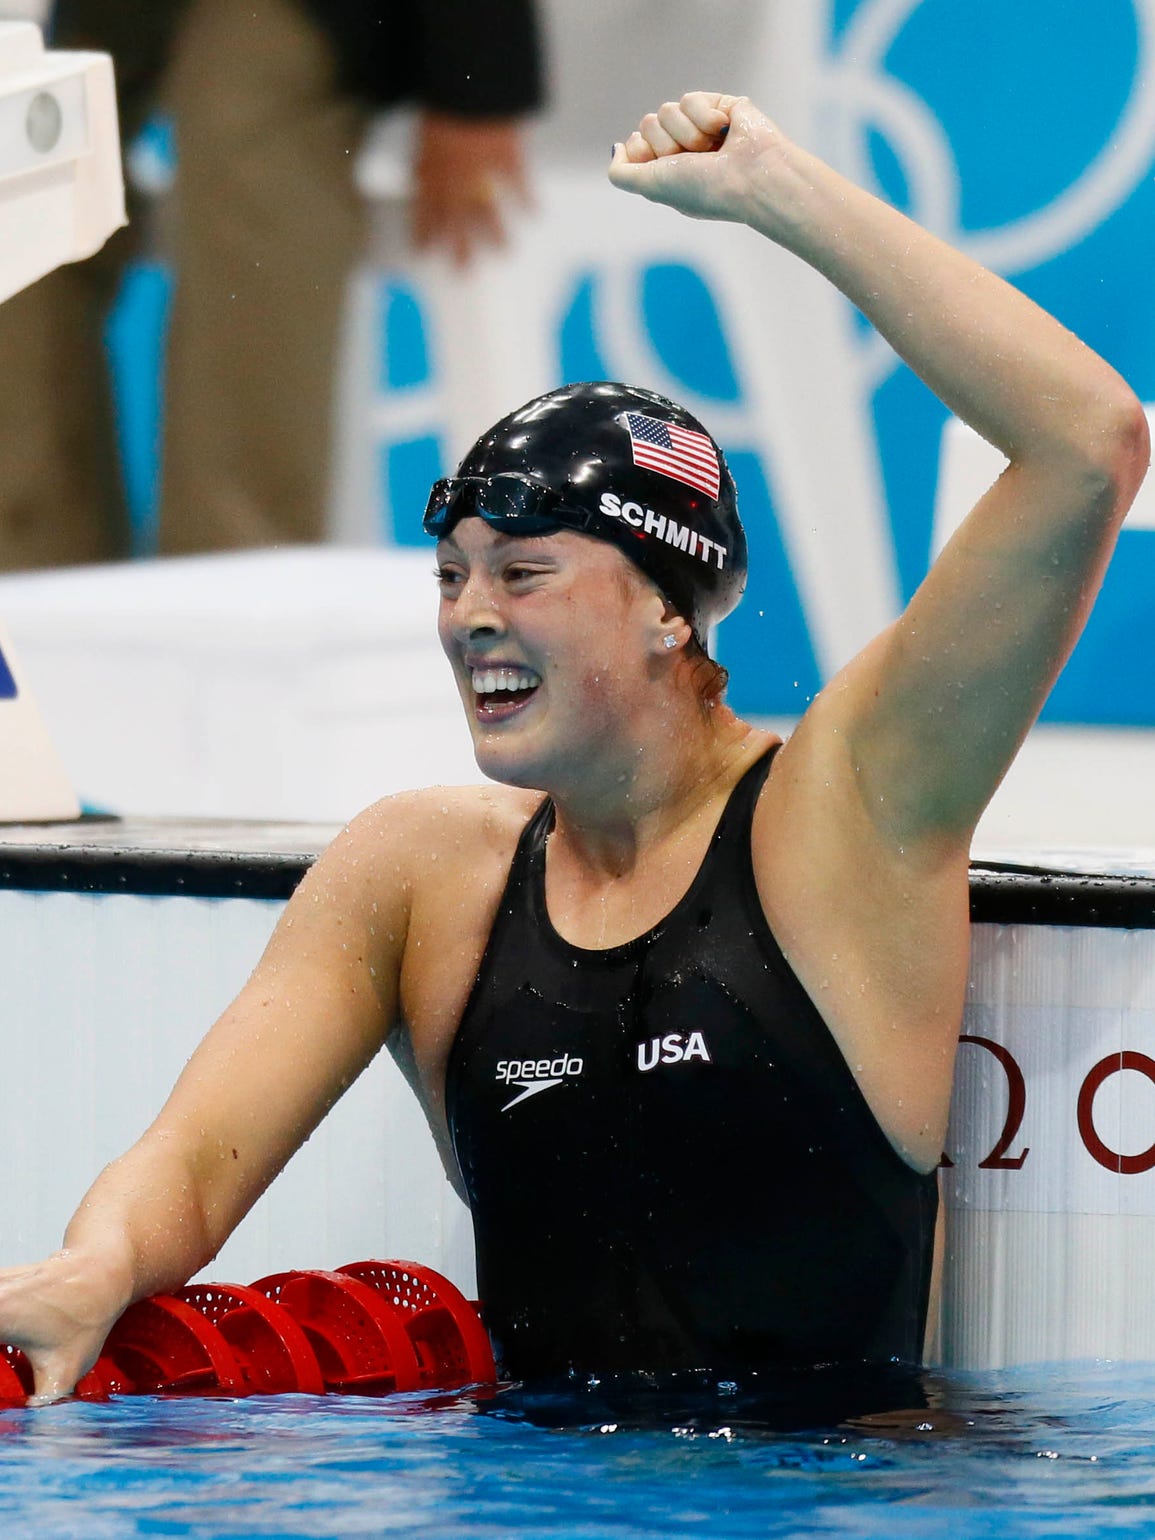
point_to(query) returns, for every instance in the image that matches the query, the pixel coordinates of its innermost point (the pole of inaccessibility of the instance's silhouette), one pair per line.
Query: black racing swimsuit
(669, 1163)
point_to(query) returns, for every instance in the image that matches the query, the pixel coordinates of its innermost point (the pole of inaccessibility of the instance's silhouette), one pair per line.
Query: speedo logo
(680, 536)
(534, 1075)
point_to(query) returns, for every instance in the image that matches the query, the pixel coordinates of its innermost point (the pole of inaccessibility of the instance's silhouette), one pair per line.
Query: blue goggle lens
(508, 503)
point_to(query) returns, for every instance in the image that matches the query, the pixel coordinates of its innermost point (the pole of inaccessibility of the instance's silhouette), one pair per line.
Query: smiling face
(552, 639)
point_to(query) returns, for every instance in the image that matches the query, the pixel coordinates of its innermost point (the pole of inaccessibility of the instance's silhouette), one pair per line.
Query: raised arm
(315, 1011)
(931, 713)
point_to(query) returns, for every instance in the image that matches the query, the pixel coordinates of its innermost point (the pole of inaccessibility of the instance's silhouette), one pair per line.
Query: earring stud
(669, 640)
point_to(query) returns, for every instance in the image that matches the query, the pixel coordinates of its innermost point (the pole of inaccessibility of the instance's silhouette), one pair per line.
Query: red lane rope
(368, 1328)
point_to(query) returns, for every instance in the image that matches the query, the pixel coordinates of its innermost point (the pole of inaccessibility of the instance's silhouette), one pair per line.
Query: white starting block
(34, 786)
(61, 190)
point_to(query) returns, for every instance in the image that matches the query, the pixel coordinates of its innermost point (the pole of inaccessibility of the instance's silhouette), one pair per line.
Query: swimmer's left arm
(932, 712)
(322, 999)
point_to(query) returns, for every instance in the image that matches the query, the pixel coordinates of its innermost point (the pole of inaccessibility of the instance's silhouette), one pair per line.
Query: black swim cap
(623, 464)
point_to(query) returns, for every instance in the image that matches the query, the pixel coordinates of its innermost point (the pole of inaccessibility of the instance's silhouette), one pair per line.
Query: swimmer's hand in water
(707, 155)
(59, 1313)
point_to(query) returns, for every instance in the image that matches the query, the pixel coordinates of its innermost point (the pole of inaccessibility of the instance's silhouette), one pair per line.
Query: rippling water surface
(1051, 1452)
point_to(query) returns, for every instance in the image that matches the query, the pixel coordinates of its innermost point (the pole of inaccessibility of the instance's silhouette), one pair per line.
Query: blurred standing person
(270, 100)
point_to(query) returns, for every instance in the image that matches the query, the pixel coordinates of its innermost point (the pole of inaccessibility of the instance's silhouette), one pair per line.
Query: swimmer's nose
(480, 636)
(476, 616)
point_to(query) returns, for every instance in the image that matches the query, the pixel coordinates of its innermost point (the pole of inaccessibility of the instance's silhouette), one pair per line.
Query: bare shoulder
(450, 821)
(410, 847)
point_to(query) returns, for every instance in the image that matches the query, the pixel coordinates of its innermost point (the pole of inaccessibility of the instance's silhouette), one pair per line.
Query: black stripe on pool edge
(1000, 895)
(1023, 895)
(199, 874)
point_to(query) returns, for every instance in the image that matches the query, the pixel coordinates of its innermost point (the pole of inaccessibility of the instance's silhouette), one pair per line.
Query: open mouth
(502, 691)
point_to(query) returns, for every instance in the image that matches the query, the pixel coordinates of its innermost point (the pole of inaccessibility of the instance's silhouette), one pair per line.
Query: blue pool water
(1057, 1452)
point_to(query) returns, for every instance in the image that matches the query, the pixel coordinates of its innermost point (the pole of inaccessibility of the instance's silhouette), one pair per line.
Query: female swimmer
(681, 1002)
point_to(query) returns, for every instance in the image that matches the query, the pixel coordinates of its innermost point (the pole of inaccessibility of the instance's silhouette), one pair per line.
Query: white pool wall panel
(1053, 1258)
(104, 999)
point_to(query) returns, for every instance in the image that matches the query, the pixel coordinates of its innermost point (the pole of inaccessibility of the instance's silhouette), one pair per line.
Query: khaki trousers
(262, 230)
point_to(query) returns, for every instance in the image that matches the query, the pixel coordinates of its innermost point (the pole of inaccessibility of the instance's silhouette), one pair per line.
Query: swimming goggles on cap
(507, 502)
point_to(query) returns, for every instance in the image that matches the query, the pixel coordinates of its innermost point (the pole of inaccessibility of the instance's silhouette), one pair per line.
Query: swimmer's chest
(453, 928)
(699, 1023)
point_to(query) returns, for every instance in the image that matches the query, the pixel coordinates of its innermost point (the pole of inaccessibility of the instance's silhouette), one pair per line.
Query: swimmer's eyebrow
(503, 538)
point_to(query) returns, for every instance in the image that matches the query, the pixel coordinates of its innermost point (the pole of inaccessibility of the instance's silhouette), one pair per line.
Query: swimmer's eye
(519, 572)
(448, 576)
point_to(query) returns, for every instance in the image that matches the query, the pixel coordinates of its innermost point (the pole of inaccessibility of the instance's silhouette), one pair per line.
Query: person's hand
(705, 155)
(59, 1313)
(465, 173)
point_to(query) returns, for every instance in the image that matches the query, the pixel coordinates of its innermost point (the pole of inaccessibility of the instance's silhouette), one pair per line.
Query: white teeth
(486, 681)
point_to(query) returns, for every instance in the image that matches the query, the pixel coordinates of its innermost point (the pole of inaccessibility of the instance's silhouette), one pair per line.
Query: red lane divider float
(269, 1344)
(15, 1377)
(369, 1328)
(452, 1345)
(359, 1339)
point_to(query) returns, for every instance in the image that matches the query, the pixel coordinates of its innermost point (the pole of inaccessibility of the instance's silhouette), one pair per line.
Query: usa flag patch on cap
(677, 452)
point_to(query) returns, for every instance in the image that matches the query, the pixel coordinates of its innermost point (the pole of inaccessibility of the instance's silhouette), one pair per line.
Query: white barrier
(291, 684)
